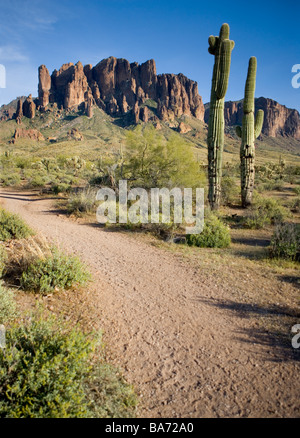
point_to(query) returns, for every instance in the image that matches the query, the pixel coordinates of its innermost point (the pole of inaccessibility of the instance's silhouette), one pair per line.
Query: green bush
(82, 202)
(58, 271)
(215, 234)
(266, 211)
(285, 242)
(295, 205)
(297, 190)
(110, 396)
(10, 178)
(49, 370)
(60, 188)
(8, 307)
(12, 226)
(229, 190)
(3, 259)
(42, 371)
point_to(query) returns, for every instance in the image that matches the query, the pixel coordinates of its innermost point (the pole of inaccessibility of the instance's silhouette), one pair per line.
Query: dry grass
(22, 253)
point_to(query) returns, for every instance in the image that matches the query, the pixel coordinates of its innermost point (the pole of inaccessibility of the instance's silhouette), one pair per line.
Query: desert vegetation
(50, 368)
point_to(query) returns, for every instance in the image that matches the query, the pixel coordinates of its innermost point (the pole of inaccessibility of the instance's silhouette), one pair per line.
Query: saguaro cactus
(249, 132)
(221, 48)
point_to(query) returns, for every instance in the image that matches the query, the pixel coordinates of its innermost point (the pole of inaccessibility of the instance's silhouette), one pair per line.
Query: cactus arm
(213, 42)
(224, 70)
(259, 120)
(238, 131)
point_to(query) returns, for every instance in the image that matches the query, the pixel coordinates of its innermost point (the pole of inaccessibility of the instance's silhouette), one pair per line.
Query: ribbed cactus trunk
(251, 129)
(221, 47)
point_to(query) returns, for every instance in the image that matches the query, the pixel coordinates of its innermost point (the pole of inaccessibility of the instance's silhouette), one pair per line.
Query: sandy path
(185, 357)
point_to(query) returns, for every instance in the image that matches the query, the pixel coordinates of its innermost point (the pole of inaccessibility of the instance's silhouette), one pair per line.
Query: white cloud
(12, 54)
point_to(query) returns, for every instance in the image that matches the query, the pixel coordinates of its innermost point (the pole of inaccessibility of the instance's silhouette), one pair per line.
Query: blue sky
(174, 33)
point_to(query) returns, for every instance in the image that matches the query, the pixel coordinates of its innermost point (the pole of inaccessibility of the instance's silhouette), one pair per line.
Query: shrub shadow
(273, 329)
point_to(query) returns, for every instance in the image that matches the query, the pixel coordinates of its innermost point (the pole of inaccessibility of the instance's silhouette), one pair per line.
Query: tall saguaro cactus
(251, 129)
(221, 47)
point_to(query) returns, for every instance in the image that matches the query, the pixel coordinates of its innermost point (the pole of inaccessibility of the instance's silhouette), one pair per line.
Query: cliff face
(278, 120)
(117, 86)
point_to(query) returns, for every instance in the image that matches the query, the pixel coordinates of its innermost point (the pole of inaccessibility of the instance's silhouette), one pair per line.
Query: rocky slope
(278, 121)
(118, 87)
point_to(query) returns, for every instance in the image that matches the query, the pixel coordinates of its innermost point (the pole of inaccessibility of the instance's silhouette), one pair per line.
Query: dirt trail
(185, 357)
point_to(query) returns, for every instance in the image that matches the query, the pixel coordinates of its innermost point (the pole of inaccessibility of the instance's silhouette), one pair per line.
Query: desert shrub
(109, 394)
(37, 180)
(83, 201)
(3, 260)
(12, 226)
(8, 307)
(285, 242)
(295, 205)
(42, 371)
(215, 234)
(22, 253)
(57, 271)
(265, 211)
(10, 178)
(49, 370)
(271, 185)
(23, 162)
(229, 190)
(297, 190)
(60, 188)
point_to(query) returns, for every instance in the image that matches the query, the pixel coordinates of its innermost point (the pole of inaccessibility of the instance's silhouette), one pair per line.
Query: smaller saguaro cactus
(250, 130)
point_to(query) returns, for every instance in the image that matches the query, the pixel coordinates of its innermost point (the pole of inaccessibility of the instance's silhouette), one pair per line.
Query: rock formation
(19, 112)
(74, 134)
(32, 134)
(279, 120)
(117, 86)
(29, 107)
(183, 128)
(44, 86)
(9, 111)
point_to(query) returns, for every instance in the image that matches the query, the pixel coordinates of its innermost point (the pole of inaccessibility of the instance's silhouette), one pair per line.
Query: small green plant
(82, 202)
(12, 226)
(109, 394)
(42, 371)
(10, 178)
(8, 307)
(215, 234)
(266, 211)
(229, 190)
(297, 190)
(50, 370)
(60, 188)
(3, 260)
(57, 271)
(295, 205)
(285, 242)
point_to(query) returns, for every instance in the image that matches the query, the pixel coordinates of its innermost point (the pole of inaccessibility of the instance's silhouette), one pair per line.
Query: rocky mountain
(8, 111)
(278, 121)
(118, 87)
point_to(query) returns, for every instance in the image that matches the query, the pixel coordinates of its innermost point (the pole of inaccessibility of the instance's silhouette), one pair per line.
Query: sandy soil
(185, 357)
